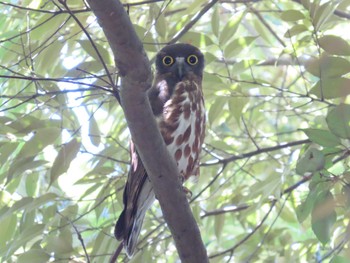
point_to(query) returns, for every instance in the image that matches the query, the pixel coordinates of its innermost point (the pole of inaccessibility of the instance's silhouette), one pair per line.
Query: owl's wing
(138, 193)
(138, 197)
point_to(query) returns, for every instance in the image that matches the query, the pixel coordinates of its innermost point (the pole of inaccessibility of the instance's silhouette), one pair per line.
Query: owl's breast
(182, 125)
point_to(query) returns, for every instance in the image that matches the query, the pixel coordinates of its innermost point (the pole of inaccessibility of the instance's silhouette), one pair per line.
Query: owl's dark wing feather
(138, 197)
(138, 193)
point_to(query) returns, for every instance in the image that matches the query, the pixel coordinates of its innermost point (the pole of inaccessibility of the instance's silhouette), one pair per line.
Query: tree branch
(136, 77)
(250, 154)
(193, 21)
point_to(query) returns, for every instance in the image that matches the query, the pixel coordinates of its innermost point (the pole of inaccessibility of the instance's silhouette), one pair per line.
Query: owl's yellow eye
(168, 61)
(192, 60)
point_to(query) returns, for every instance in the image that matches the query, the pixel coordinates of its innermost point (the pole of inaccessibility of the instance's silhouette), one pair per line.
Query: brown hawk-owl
(177, 102)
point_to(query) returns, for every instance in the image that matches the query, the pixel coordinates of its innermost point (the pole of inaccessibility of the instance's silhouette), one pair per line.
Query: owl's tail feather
(130, 221)
(131, 234)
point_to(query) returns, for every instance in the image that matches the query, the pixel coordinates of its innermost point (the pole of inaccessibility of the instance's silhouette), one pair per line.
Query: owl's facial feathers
(180, 60)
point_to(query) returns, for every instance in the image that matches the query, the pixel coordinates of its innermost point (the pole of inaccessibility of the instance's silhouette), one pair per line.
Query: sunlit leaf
(292, 15)
(307, 205)
(313, 160)
(215, 22)
(216, 109)
(335, 45)
(295, 30)
(96, 51)
(65, 156)
(237, 45)
(330, 88)
(219, 223)
(323, 13)
(196, 39)
(34, 256)
(236, 106)
(8, 229)
(94, 131)
(328, 66)
(27, 235)
(58, 245)
(322, 137)
(339, 259)
(338, 120)
(230, 29)
(161, 25)
(42, 138)
(323, 217)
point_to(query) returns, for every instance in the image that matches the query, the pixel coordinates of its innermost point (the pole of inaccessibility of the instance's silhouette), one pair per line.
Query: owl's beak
(180, 63)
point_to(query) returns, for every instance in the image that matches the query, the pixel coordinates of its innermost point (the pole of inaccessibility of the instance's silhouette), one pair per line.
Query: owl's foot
(188, 192)
(185, 189)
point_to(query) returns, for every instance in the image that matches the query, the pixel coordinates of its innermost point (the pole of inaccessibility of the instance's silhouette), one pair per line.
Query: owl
(177, 103)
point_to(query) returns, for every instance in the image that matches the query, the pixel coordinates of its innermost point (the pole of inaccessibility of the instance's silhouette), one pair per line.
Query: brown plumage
(178, 105)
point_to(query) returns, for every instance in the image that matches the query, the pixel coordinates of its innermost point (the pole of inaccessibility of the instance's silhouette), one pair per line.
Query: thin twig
(79, 236)
(253, 153)
(192, 22)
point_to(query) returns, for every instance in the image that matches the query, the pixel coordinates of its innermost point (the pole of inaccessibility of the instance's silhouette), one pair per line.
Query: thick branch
(135, 71)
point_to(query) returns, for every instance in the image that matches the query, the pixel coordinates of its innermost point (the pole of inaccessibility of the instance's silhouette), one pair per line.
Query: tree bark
(136, 77)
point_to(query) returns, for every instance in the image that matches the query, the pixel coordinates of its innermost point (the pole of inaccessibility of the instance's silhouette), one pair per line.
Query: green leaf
(305, 208)
(58, 244)
(32, 183)
(42, 138)
(40, 201)
(48, 59)
(34, 256)
(161, 25)
(196, 39)
(65, 156)
(215, 22)
(216, 109)
(90, 49)
(292, 15)
(219, 222)
(236, 106)
(94, 131)
(323, 217)
(338, 120)
(313, 160)
(16, 207)
(230, 29)
(27, 235)
(339, 259)
(7, 229)
(335, 45)
(19, 166)
(295, 30)
(209, 57)
(323, 13)
(146, 37)
(322, 137)
(237, 45)
(328, 66)
(331, 88)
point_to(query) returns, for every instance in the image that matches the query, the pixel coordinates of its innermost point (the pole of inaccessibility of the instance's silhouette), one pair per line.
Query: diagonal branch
(136, 77)
(193, 21)
(253, 153)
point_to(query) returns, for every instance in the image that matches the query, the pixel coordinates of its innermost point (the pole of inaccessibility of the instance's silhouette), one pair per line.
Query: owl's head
(181, 60)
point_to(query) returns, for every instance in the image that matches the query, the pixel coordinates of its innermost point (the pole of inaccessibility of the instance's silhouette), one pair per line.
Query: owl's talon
(185, 189)
(188, 192)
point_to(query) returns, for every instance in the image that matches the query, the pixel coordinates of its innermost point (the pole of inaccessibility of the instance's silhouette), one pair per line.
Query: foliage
(275, 177)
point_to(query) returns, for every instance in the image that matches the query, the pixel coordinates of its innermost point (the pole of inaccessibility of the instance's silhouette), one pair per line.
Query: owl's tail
(129, 232)
(130, 221)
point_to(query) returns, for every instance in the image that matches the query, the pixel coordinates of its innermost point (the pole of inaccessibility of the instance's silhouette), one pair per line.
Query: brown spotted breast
(182, 125)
